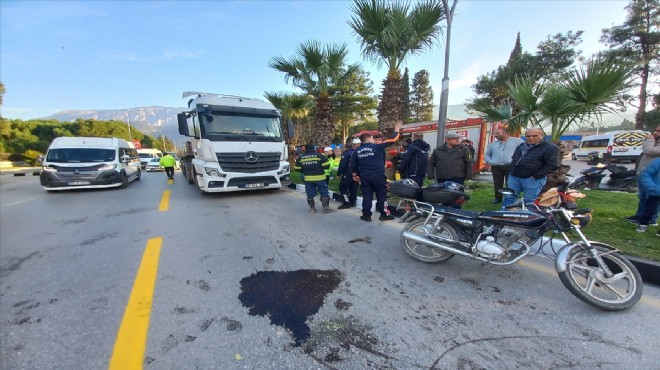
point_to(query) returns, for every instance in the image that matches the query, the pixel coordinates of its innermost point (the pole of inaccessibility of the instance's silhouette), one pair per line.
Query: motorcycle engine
(496, 243)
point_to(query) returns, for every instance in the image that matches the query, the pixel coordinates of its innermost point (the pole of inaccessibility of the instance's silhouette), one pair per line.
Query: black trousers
(500, 175)
(348, 189)
(169, 171)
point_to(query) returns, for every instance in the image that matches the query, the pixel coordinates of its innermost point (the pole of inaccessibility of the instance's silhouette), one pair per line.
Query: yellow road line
(536, 267)
(170, 181)
(131, 343)
(164, 201)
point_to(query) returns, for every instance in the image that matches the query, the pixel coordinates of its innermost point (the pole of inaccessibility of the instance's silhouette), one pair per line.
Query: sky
(91, 55)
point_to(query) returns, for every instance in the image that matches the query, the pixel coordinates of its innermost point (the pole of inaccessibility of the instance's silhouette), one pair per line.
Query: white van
(147, 154)
(89, 162)
(614, 145)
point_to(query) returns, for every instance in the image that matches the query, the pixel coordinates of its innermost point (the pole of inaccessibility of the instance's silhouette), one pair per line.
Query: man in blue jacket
(347, 187)
(649, 181)
(368, 168)
(415, 159)
(532, 161)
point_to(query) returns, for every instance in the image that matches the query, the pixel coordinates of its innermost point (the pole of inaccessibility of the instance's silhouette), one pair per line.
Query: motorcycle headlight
(582, 220)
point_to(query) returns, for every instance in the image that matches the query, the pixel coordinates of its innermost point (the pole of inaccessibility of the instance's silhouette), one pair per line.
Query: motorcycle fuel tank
(526, 219)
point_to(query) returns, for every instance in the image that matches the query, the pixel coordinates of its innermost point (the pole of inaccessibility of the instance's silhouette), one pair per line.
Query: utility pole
(445, 79)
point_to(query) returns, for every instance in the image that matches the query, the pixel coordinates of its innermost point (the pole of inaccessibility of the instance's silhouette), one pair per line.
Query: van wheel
(124, 180)
(573, 157)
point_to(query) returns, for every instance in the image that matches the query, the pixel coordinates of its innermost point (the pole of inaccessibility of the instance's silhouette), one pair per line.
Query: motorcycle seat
(455, 211)
(623, 175)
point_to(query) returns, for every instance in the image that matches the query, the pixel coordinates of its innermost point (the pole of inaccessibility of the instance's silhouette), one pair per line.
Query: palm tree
(586, 95)
(389, 32)
(293, 107)
(313, 70)
(559, 105)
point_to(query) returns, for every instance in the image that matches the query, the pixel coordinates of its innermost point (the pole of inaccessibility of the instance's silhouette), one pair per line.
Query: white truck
(233, 143)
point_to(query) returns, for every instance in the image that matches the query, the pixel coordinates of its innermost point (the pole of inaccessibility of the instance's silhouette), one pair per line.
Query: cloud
(468, 75)
(183, 54)
(123, 57)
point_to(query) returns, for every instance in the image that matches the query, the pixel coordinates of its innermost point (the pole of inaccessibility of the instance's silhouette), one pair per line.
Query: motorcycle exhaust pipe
(431, 243)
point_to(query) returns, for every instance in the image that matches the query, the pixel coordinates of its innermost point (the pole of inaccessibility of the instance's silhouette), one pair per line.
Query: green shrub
(30, 156)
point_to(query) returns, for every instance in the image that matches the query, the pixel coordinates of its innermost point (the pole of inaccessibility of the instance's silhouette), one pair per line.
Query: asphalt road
(161, 276)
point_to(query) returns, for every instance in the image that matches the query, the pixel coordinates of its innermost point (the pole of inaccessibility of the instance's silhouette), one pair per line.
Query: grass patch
(607, 226)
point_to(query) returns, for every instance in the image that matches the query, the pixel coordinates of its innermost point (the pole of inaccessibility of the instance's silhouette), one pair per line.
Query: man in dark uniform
(367, 167)
(313, 166)
(415, 160)
(347, 187)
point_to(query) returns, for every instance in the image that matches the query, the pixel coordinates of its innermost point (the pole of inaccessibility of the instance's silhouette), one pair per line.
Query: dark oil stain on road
(288, 298)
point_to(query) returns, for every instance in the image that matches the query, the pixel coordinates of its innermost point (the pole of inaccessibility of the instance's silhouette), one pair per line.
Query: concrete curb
(649, 270)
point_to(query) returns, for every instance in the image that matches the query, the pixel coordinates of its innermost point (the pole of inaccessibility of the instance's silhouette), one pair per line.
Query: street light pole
(445, 79)
(128, 122)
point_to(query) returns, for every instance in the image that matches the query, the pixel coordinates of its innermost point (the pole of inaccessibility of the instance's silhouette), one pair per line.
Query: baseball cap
(452, 135)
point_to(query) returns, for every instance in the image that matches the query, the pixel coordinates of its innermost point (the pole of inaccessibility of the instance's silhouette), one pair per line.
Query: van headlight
(48, 169)
(107, 167)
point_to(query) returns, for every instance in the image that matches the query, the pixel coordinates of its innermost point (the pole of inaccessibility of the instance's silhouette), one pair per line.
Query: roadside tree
(389, 32)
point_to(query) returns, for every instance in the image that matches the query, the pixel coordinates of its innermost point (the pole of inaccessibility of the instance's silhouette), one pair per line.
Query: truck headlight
(213, 172)
(285, 169)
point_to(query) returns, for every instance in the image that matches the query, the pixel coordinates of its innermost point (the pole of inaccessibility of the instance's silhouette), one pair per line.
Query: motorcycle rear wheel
(423, 252)
(586, 280)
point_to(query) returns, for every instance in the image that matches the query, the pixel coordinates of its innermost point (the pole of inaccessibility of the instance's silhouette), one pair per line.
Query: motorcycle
(594, 272)
(621, 178)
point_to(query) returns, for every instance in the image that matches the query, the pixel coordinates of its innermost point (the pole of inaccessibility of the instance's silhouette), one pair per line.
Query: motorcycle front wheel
(423, 252)
(586, 279)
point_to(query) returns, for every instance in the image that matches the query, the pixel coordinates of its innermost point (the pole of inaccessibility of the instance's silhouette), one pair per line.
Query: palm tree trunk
(324, 121)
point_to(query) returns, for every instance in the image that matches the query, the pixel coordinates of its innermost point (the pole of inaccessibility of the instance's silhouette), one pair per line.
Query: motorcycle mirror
(507, 191)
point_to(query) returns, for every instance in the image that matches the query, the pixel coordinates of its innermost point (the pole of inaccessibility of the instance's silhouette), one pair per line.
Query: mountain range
(157, 120)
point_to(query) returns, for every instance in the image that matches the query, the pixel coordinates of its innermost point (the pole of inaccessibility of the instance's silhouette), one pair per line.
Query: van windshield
(76, 155)
(146, 155)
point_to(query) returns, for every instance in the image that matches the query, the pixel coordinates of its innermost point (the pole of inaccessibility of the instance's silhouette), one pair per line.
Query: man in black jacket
(532, 161)
(451, 161)
(415, 159)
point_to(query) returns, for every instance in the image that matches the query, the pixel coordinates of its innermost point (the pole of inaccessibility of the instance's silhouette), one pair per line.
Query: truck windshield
(233, 126)
(76, 155)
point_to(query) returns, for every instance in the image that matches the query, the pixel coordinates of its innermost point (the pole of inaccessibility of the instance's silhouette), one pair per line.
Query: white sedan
(154, 165)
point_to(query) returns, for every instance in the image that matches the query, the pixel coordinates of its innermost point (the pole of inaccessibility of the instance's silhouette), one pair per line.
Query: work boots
(312, 206)
(326, 205)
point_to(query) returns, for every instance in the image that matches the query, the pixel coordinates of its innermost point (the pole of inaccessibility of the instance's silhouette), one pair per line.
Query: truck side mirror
(291, 128)
(183, 124)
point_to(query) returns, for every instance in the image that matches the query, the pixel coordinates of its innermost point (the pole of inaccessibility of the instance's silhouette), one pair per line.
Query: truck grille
(237, 162)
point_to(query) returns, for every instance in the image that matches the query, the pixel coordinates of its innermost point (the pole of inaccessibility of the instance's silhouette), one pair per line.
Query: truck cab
(233, 143)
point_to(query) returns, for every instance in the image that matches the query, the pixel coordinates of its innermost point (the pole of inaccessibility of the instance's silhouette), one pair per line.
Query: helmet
(356, 141)
(327, 149)
(410, 182)
(450, 185)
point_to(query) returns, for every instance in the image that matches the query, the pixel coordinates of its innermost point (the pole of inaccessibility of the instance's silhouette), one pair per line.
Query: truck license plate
(254, 185)
(74, 183)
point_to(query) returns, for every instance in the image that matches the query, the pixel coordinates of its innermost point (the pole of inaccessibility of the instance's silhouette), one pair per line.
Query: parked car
(154, 165)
